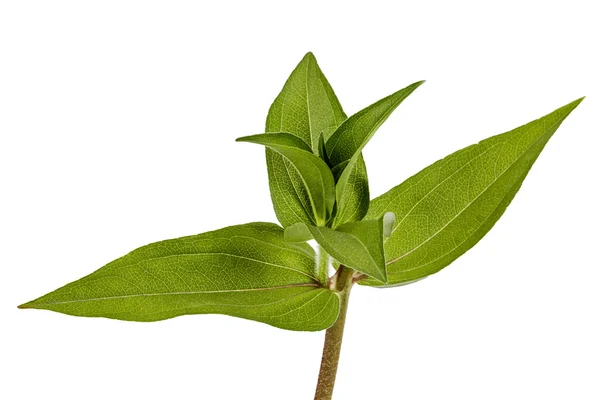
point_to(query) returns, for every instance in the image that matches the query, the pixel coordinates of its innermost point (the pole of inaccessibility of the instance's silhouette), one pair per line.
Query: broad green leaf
(445, 209)
(315, 174)
(306, 107)
(245, 271)
(355, 132)
(297, 233)
(358, 245)
(352, 192)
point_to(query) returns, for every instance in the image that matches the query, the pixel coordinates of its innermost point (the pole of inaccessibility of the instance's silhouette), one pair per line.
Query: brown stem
(333, 337)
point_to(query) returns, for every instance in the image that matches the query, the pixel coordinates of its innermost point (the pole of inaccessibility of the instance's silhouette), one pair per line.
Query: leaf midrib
(316, 285)
(461, 243)
(439, 184)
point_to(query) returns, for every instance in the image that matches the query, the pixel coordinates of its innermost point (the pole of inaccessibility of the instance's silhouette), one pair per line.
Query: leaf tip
(24, 306)
(411, 88)
(568, 108)
(246, 139)
(576, 102)
(310, 55)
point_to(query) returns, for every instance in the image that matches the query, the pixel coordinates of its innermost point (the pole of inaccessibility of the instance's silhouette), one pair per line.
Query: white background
(117, 124)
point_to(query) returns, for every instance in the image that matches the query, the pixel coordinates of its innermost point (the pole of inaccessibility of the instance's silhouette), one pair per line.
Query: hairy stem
(322, 266)
(333, 337)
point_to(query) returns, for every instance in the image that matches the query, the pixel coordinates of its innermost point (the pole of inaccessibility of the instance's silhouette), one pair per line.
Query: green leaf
(246, 271)
(355, 132)
(281, 139)
(314, 173)
(358, 245)
(306, 107)
(297, 233)
(352, 192)
(445, 209)
(322, 153)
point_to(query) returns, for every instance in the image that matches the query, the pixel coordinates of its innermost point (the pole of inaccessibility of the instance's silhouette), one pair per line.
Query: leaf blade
(305, 107)
(206, 273)
(314, 173)
(358, 245)
(355, 132)
(432, 231)
(352, 192)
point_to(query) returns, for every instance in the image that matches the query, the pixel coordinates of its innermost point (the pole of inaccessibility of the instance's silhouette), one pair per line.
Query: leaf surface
(315, 175)
(352, 192)
(355, 132)
(246, 271)
(306, 107)
(358, 245)
(279, 139)
(296, 233)
(445, 209)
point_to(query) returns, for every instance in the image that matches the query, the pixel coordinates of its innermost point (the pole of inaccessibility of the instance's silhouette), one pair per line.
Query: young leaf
(306, 107)
(355, 132)
(445, 209)
(352, 192)
(245, 271)
(322, 153)
(358, 245)
(314, 173)
(280, 139)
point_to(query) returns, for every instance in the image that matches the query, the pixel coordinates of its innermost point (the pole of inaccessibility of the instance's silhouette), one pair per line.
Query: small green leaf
(245, 271)
(315, 174)
(355, 132)
(306, 107)
(281, 139)
(339, 169)
(352, 192)
(297, 233)
(445, 209)
(322, 150)
(358, 245)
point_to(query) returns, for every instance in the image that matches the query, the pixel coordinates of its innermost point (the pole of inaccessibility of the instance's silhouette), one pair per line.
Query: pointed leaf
(290, 198)
(281, 139)
(358, 245)
(352, 192)
(355, 132)
(306, 107)
(445, 209)
(322, 151)
(246, 271)
(314, 173)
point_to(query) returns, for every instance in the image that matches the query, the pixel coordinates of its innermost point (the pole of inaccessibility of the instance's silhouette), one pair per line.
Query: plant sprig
(319, 188)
